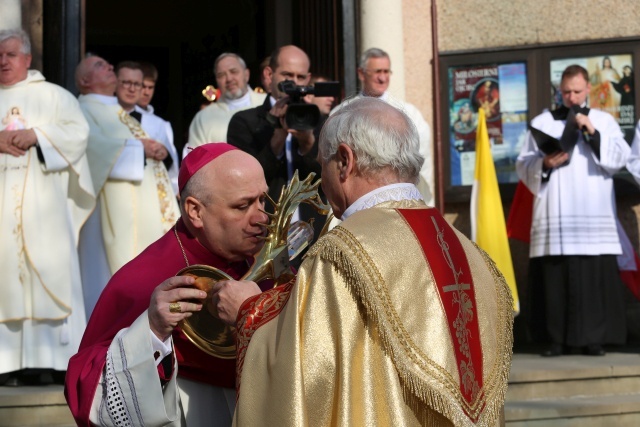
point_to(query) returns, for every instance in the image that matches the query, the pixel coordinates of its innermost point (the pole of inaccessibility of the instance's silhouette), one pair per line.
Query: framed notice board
(515, 85)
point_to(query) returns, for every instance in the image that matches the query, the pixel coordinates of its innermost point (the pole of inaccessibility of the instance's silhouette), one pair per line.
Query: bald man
(132, 349)
(136, 201)
(263, 132)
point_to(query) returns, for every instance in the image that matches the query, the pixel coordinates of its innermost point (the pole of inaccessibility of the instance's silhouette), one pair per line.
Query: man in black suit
(263, 132)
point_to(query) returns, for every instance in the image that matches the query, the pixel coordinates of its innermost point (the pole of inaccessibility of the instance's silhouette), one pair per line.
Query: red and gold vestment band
(409, 325)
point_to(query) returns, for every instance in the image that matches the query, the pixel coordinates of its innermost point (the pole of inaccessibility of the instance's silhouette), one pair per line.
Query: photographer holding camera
(264, 132)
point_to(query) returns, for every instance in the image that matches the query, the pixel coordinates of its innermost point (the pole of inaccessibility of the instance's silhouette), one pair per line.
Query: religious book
(546, 143)
(549, 144)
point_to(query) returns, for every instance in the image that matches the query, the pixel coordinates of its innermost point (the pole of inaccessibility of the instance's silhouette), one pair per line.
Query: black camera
(300, 115)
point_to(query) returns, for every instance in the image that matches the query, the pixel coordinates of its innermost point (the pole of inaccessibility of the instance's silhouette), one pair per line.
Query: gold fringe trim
(427, 386)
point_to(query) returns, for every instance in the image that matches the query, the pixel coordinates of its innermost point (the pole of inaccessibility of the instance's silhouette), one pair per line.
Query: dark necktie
(136, 115)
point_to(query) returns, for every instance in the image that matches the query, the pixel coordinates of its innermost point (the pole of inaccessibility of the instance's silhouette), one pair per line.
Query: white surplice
(574, 211)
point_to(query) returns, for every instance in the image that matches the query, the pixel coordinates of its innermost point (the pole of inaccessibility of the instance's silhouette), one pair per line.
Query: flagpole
(437, 146)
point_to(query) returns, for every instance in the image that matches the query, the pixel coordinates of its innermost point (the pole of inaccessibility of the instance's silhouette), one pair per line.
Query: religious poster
(612, 87)
(501, 91)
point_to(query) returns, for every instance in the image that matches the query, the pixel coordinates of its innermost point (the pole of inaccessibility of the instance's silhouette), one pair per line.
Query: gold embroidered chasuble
(364, 337)
(134, 214)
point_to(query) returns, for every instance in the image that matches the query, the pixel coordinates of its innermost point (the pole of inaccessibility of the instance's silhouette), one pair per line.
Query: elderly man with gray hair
(211, 123)
(395, 317)
(374, 73)
(46, 195)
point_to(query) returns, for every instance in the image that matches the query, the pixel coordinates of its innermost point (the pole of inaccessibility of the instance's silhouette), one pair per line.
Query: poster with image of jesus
(612, 86)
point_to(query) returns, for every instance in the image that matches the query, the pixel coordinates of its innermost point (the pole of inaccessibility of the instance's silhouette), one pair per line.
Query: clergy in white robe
(136, 201)
(374, 73)
(574, 240)
(211, 123)
(47, 195)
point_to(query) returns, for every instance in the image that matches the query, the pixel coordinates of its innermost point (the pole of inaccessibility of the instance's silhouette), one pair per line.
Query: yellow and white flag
(488, 228)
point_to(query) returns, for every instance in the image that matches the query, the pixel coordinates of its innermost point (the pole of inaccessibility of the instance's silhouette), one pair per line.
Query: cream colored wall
(10, 16)
(382, 26)
(478, 24)
(418, 56)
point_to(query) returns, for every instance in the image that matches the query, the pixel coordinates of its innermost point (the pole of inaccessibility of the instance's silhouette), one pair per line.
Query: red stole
(454, 282)
(255, 312)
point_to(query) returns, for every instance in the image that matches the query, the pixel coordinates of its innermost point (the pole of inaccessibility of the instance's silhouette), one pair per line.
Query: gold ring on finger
(175, 307)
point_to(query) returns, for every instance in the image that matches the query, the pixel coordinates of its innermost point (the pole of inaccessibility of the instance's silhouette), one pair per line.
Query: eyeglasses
(128, 84)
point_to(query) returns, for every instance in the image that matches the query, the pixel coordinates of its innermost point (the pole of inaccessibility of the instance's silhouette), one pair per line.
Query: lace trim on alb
(113, 396)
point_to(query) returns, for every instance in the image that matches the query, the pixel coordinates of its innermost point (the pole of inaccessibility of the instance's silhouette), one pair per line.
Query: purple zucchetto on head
(198, 157)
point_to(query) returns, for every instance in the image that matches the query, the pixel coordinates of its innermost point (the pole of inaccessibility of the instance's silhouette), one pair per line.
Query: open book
(549, 144)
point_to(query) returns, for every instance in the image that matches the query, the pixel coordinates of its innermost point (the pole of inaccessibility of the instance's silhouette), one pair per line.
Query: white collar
(391, 192)
(242, 102)
(383, 97)
(32, 76)
(148, 110)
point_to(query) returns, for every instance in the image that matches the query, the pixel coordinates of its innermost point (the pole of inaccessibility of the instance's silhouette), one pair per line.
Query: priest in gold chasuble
(395, 317)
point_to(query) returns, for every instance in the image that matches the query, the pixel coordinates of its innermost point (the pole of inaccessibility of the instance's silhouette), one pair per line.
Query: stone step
(34, 406)
(566, 388)
(619, 410)
(565, 391)
(531, 367)
(535, 377)
(573, 391)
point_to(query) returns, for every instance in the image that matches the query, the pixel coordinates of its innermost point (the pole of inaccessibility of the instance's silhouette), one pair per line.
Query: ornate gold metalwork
(204, 328)
(210, 93)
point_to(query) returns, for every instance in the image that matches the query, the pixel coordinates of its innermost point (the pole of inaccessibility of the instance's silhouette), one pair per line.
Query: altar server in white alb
(156, 127)
(46, 193)
(573, 271)
(136, 201)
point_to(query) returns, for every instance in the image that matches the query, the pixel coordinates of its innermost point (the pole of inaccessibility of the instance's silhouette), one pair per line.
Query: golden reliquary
(282, 243)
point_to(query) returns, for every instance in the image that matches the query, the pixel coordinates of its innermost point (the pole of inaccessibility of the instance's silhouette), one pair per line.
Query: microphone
(585, 134)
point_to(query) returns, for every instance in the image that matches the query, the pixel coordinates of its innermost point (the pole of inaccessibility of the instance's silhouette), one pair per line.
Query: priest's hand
(7, 146)
(171, 302)
(24, 138)
(228, 296)
(554, 160)
(154, 149)
(276, 118)
(583, 123)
